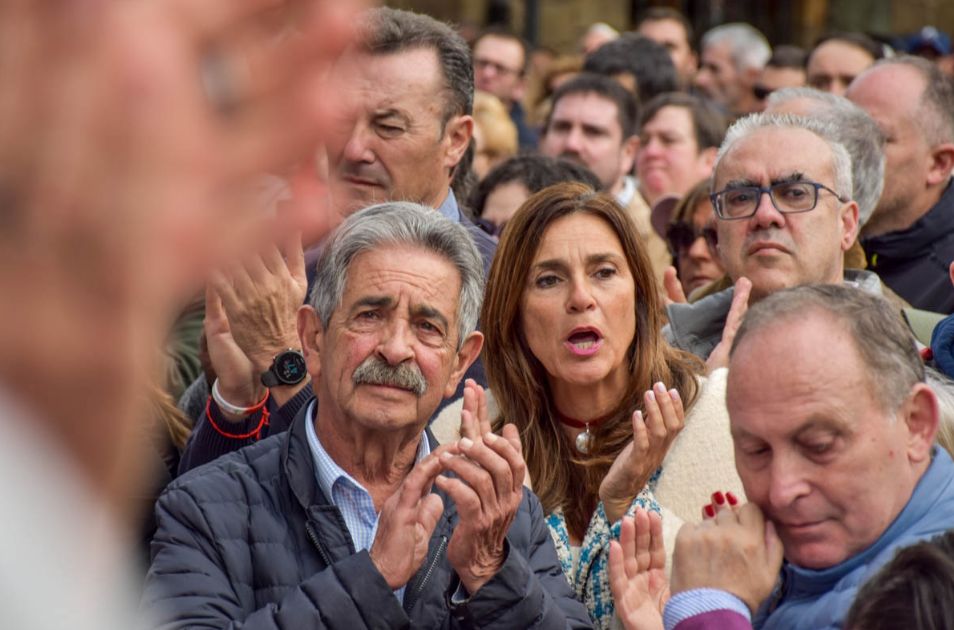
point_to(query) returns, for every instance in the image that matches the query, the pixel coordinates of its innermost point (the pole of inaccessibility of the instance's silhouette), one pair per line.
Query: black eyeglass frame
(716, 198)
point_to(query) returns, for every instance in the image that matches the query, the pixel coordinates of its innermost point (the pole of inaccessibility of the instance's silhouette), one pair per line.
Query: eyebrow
(557, 264)
(391, 113)
(795, 176)
(813, 424)
(374, 301)
(429, 312)
(387, 302)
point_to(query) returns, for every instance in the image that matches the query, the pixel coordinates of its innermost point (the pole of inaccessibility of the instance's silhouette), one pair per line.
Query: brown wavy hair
(561, 476)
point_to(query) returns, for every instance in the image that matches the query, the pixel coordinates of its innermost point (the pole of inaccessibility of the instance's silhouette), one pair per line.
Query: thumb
(773, 546)
(672, 285)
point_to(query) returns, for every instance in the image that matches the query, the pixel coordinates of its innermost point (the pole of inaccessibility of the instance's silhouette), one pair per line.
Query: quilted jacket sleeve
(189, 584)
(530, 590)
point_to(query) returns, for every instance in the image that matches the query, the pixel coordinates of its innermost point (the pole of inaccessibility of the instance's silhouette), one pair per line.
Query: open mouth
(584, 341)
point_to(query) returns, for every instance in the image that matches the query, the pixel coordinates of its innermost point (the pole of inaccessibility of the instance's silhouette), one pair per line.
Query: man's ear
(921, 415)
(457, 134)
(942, 162)
(849, 225)
(310, 333)
(468, 353)
(628, 154)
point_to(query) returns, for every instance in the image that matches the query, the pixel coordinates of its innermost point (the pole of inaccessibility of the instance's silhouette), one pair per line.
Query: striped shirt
(350, 497)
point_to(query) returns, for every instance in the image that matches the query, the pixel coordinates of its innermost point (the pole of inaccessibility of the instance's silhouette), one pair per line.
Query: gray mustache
(374, 371)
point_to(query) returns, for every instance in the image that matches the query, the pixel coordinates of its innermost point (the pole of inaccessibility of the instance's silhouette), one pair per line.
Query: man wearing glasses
(500, 62)
(784, 216)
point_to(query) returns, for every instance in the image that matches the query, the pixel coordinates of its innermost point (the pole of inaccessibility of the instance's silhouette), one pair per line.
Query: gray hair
(935, 115)
(825, 130)
(387, 31)
(857, 131)
(884, 342)
(747, 46)
(403, 224)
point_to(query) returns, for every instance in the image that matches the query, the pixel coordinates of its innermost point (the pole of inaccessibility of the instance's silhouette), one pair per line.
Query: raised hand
(673, 288)
(262, 298)
(719, 357)
(474, 418)
(238, 381)
(487, 490)
(637, 462)
(637, 571)
(738, 552)
(407, 521)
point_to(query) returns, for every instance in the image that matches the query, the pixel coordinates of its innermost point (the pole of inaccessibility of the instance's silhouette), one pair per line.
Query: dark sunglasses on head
(681, 236)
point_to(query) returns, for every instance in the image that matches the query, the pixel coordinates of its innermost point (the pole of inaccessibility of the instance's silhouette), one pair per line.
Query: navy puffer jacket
(250, 541)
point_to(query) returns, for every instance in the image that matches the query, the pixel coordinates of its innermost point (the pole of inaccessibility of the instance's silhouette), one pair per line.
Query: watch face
(290, 367)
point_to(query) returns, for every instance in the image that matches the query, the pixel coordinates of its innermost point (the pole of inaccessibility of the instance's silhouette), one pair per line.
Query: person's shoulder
(255, 464)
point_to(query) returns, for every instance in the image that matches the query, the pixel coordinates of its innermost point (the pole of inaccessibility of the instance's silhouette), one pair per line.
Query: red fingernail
(708, 511)
(718, 498)
(733, 500)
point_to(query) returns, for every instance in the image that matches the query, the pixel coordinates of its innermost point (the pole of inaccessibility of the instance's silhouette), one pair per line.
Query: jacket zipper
(408, 605)
(318, 546)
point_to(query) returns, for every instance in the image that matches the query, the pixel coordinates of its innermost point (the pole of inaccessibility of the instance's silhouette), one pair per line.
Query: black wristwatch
(288, 368)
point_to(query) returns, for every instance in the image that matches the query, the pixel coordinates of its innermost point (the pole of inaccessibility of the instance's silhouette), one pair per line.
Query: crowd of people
(321, 315)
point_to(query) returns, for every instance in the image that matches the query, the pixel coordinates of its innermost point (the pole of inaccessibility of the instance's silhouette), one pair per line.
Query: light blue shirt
(350, 497)
(449, 208)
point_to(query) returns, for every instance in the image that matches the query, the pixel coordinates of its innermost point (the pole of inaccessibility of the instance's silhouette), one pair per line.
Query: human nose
(574, 140)
(395, 346)
(787, 483)
(580, 298)
(766, 213)
(699, 249)
(358, 148)
(652, 147)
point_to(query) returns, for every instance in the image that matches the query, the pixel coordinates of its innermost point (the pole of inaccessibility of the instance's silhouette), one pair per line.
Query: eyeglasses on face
(681, 236)
(741, 202)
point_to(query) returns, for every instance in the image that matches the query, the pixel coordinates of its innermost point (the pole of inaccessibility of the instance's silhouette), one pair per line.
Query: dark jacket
(914, 262)
(250, 541)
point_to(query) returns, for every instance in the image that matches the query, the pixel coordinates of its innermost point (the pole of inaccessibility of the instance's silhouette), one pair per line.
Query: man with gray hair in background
(732, 59)
(859, 134)
(909, 239)
(355, 517)
(782, 194)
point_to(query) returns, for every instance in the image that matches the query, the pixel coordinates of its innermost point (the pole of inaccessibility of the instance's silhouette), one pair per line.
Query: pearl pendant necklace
(584, 439)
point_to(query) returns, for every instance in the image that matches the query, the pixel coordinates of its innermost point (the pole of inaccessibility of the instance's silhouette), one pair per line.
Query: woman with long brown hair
(574, 355)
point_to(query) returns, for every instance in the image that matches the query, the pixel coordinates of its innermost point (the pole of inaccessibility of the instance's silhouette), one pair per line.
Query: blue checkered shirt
(352, 500)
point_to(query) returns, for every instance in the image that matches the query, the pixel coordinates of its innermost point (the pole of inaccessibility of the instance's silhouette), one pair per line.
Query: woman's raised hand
(637, 570)
(637, 462)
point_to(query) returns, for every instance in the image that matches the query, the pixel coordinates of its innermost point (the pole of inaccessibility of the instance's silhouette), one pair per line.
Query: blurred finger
(657, 547)
(653, 416)
(642, 539)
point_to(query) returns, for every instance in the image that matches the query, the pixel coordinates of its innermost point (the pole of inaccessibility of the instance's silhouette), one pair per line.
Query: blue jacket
(820, 599)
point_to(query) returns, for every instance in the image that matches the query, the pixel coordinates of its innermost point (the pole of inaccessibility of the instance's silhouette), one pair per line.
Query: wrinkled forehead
(772, 153)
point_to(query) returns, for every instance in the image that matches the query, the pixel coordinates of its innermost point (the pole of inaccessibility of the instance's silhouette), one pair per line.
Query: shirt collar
(327, 470)
(626, 193)
(449, 207)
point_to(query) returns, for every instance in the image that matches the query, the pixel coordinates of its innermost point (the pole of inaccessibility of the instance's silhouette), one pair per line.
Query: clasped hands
(486, 486)
(735, 549)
